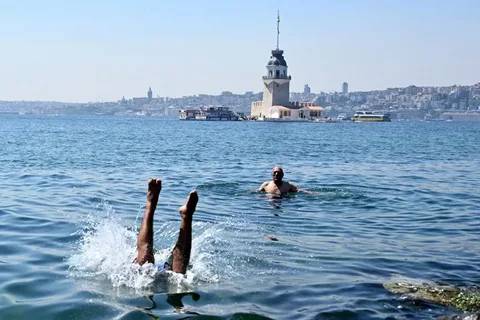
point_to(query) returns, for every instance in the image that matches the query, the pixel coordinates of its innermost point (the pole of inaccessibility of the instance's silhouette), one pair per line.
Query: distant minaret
(276, 91)
(149, 94)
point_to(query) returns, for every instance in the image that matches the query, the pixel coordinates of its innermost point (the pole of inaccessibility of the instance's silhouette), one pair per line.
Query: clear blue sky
(103, 50)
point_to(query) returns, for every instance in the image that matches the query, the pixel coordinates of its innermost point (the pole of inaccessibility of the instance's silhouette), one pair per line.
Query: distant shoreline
(410, 102)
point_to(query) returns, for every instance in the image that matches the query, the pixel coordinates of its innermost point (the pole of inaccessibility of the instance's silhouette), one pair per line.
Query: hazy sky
(104, 49)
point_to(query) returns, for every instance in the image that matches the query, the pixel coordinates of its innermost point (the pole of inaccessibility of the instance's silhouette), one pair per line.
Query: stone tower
(276, 91)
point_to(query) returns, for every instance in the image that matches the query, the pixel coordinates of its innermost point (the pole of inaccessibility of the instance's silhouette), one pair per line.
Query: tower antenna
(278, 27)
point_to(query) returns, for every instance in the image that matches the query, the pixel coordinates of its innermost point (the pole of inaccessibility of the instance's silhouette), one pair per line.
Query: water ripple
(377, 201)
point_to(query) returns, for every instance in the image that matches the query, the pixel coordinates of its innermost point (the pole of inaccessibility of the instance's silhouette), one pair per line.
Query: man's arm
(263, 186)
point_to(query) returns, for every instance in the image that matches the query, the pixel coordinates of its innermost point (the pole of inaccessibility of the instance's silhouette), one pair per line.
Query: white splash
(107, 249)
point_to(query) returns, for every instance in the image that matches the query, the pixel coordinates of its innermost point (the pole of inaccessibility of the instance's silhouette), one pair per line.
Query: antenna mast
(278, 27)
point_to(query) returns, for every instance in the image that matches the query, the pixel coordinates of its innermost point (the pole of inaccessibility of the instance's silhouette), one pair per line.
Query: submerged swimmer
(181, 252)
(277, 185)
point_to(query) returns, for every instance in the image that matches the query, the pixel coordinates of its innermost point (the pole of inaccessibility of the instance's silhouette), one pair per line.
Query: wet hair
(279, 169)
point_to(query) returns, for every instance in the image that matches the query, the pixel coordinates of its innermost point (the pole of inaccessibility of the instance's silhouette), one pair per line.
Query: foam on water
(107, 247)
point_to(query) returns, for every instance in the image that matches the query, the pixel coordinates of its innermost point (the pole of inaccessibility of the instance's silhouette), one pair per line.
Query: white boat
(369, 116)
(325, 120)
(342, 117)
(209, 114)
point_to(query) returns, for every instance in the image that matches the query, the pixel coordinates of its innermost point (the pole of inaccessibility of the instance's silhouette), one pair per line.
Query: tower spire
(278, 27)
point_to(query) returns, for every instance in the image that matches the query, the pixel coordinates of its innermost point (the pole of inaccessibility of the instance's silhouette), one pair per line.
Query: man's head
(277, 174)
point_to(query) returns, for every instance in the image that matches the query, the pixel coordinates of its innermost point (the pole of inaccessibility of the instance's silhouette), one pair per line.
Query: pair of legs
(181, 251)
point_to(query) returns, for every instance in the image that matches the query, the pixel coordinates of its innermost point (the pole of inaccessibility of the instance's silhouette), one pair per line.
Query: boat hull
(371, 120)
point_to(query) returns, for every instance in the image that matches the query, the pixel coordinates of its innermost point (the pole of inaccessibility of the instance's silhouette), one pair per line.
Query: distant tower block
(345, 88)
(306, 90)
(149, 94)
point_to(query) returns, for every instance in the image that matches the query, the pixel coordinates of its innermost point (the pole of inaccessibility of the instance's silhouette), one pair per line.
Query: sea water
(378, 201)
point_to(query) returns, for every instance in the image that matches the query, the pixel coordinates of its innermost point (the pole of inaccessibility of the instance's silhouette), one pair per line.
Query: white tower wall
(276, 92)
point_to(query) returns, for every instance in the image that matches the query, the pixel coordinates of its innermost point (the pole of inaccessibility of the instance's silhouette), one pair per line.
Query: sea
(377, 202)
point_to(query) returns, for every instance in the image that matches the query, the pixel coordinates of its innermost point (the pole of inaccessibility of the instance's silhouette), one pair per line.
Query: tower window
(277, 73)
(270, 73)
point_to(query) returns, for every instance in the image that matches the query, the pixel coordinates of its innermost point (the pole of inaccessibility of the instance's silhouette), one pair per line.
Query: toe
(192, 200)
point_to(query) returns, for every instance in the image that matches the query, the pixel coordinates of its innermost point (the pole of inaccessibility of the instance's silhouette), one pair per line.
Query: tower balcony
(277, 77)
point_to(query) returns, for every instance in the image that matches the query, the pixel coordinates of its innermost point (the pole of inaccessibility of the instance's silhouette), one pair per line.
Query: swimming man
(277, 185)
(181, 251)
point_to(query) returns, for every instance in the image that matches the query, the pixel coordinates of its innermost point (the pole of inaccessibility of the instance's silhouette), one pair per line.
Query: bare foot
(154, 188)
(187, 210)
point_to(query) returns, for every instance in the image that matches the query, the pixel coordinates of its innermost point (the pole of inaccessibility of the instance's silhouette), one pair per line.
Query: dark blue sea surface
(380, 201)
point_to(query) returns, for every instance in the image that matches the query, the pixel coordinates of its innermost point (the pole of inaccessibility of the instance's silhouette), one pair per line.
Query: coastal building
(345, 88)
(306, 90)
(276, 104)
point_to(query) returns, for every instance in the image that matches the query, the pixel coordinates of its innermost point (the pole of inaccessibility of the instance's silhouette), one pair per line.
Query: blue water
(382, 201)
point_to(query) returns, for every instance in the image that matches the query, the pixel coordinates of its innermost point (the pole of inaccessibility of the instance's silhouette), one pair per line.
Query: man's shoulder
(291, 187)
(264, 185)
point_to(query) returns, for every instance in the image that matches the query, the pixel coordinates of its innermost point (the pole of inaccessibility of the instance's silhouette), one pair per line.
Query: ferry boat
(209, 114)
(369, 116)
